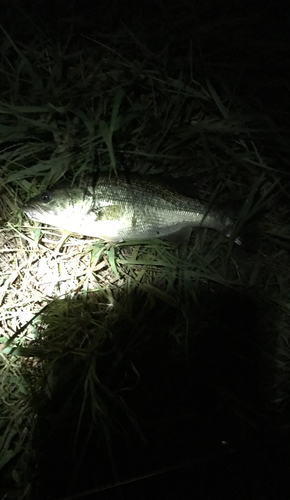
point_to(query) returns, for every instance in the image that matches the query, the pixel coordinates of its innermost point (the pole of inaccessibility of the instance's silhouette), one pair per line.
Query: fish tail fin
(248, 237)
(241, 227)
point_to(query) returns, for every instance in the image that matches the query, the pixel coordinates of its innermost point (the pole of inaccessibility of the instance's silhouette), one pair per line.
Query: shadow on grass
(173, 404)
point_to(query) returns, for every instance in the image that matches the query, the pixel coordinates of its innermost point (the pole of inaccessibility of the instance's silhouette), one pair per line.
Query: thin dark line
(139, 478)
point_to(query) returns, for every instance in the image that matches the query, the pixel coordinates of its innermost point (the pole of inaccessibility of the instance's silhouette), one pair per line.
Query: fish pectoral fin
(180, 237)
(109, 212)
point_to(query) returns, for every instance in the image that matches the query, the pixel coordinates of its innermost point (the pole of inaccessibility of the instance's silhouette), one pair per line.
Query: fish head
(63, 207)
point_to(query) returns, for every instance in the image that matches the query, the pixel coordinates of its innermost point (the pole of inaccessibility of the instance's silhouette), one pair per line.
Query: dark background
(208, 416)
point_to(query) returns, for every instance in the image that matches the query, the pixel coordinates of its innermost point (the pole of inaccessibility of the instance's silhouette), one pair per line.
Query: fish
(126, 208)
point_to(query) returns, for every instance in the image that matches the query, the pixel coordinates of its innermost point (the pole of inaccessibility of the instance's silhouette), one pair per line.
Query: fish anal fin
(180, 237)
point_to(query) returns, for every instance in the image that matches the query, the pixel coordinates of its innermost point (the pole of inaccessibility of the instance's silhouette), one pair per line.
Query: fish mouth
(32, 212)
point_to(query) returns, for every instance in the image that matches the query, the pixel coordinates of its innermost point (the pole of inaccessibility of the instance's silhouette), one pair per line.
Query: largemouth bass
(122, 209)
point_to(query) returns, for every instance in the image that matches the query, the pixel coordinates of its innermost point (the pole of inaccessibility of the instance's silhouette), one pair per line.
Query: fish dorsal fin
(182, 185)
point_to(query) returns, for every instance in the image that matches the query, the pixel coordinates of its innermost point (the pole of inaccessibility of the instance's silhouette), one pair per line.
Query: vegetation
(144, 363)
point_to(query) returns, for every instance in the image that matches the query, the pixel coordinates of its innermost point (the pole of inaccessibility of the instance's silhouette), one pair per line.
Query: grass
(150, 354)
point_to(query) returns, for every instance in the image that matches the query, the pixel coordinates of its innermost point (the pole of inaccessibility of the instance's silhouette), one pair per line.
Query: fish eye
(45, 197)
